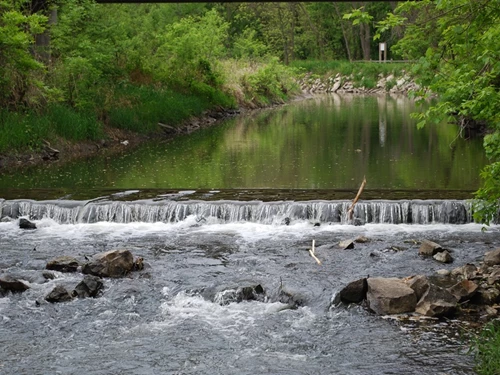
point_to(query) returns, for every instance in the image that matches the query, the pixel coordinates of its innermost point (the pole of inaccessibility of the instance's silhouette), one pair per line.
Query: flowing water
(174, 317)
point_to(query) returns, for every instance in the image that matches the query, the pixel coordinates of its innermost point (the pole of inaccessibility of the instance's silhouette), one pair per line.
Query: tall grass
(141, 108)
(73, 125)
(487, 348)
(22, 131)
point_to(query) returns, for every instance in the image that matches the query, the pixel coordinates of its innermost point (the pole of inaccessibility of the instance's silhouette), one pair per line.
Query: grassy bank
(487, 348)
(139, 107)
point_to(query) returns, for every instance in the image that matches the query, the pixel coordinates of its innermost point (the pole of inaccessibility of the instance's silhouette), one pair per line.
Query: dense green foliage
(456, 44)
(487, 349)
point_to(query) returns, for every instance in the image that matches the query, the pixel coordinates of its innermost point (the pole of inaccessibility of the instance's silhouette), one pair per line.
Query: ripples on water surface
(158, 321)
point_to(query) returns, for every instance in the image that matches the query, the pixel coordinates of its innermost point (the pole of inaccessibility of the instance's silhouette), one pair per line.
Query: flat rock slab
(390, 296)
(63, 264)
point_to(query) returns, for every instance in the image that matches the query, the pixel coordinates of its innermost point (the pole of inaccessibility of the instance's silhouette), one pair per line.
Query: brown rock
(467, 271)
(419, 284)
(492, 258)
(390, 296)
(58, 294)
(436, 302)
(494, 276)
(113, 263)
(429, 248)
(13, 285)
(63, 264)
(463, 290)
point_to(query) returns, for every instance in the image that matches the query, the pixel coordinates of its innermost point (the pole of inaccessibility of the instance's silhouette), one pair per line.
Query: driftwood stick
(311, 251)
(350, 211)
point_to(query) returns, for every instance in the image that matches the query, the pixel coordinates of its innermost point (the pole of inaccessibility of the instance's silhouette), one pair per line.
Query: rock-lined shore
(347, 85)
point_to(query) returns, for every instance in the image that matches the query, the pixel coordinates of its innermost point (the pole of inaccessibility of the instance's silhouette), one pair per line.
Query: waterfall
(169, 211)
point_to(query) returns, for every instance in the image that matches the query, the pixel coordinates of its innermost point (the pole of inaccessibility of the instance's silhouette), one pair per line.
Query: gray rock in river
(429, 248)
(13, 285)
(90, 286)
(58, 294)
(26, 224)
(354, 292)
(113, 263)
(443, 257)
(63, 264)
(390, 296)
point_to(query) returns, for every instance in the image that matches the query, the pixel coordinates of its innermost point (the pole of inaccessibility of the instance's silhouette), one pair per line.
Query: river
(239, 205)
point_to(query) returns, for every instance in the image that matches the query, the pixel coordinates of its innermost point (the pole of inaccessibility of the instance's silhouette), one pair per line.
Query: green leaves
(358, 16)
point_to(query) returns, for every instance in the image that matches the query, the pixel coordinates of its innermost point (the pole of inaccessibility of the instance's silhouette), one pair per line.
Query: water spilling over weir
(168, 211)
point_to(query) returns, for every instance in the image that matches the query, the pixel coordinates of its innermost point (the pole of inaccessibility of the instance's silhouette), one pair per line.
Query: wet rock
(463, 290)
(419, 284)
(48, 275)
(113, 263)
(354, 292)
(240, 294)
(286, 221)
(443, 257)
(390, 296)
(436, 302)
(13, 285)
(26, 224)
(289, 299)
(492, 258)
(138, 264)
(58, 294)
(429, 248)
(346, 244)
(443, 272)
(90, 286)
(63, 264)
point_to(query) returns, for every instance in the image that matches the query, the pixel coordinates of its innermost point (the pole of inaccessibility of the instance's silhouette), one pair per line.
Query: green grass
(141, 108)
(73, 125)
(487, 348)
(22, 131)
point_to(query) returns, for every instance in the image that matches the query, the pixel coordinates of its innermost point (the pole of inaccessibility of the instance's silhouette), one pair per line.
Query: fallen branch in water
(311, 251)
(350, 211)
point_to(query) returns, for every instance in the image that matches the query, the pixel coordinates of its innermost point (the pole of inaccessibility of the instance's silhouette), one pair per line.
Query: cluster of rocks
(347, 85)
(467, 291)
(109, 264)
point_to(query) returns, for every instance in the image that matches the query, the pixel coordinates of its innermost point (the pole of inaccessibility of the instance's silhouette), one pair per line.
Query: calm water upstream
(233, 206)
(327, 142)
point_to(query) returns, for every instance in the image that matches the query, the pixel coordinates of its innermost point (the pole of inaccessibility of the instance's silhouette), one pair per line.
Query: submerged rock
(240, 294)
(390, 296)
(354, 292)
(26, 224)
(58, 294)
(113, 263)
(63, 264)
(90, 286)
(13, 285)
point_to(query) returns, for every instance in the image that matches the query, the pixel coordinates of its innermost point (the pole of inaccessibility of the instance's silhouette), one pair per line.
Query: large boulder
(13, 285)
(63, 264)
(436, 302)
(58, 294)
(113, 263)
(354, 292)
(90, 286)
(390, 296)
(492, 258)
(429, 248)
